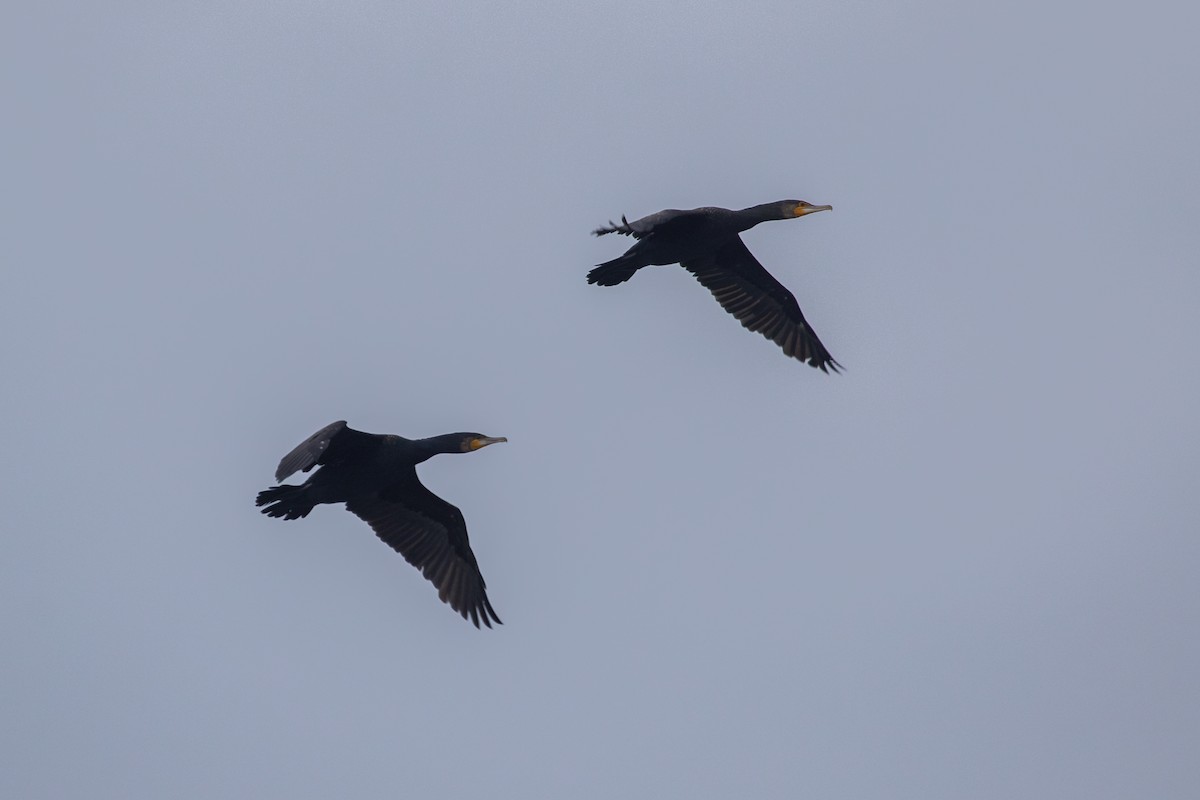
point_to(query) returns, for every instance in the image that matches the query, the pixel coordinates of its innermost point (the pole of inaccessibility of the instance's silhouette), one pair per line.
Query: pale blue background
(967, 568)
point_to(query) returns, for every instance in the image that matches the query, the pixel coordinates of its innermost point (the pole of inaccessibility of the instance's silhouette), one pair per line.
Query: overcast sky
(966, 568)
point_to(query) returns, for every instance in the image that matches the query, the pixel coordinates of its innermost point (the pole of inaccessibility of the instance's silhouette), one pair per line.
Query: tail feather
(610, 273)
(289, 502)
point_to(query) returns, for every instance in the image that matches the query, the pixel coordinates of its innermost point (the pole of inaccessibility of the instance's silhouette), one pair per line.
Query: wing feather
(762, 304)
(430, 534)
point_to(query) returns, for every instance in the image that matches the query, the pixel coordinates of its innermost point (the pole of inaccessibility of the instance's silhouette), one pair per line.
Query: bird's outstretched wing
(762, 304)
(335, 442)
(431, 534)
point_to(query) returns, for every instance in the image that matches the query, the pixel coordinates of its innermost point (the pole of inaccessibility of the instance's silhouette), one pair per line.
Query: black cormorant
(705, 242)
(375, 476)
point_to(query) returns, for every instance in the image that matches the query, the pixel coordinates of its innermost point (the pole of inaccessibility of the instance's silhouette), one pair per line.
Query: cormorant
(375, 476)
(705, 242)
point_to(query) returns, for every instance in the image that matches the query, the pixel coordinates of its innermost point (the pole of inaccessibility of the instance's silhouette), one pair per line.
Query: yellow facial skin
(484, 441)
(808, 208)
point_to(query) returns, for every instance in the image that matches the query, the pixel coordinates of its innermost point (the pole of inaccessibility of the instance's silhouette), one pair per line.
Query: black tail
(288, 502)
(610, 273)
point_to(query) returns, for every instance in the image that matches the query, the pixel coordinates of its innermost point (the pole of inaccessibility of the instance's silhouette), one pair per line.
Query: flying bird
(375, 475)
(705, 242)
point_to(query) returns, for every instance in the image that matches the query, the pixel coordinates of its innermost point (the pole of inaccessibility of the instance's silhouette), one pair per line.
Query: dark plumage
(375, 476)
(705, 242)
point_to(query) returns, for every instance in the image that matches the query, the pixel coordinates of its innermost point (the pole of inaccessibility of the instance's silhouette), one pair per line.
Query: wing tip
(829, 365)
(483, 612)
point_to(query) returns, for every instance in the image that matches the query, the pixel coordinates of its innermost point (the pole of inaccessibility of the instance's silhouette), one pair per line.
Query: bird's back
(674, 236)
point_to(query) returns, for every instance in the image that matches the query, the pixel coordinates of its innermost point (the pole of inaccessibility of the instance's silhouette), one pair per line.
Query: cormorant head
(798, 208)
(475, 441)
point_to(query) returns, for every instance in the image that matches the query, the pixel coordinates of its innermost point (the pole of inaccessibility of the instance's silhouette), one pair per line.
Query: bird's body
(375, 476)
(706, 242)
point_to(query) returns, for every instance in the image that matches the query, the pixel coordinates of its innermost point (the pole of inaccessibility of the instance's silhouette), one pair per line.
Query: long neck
(747, 218)
(428, 448)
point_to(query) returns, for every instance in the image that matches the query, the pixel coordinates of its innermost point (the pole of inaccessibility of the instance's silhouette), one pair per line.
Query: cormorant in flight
(375, 476)
(705, 242)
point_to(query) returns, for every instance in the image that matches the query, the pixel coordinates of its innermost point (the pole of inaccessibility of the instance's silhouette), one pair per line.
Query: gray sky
(966, 568)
